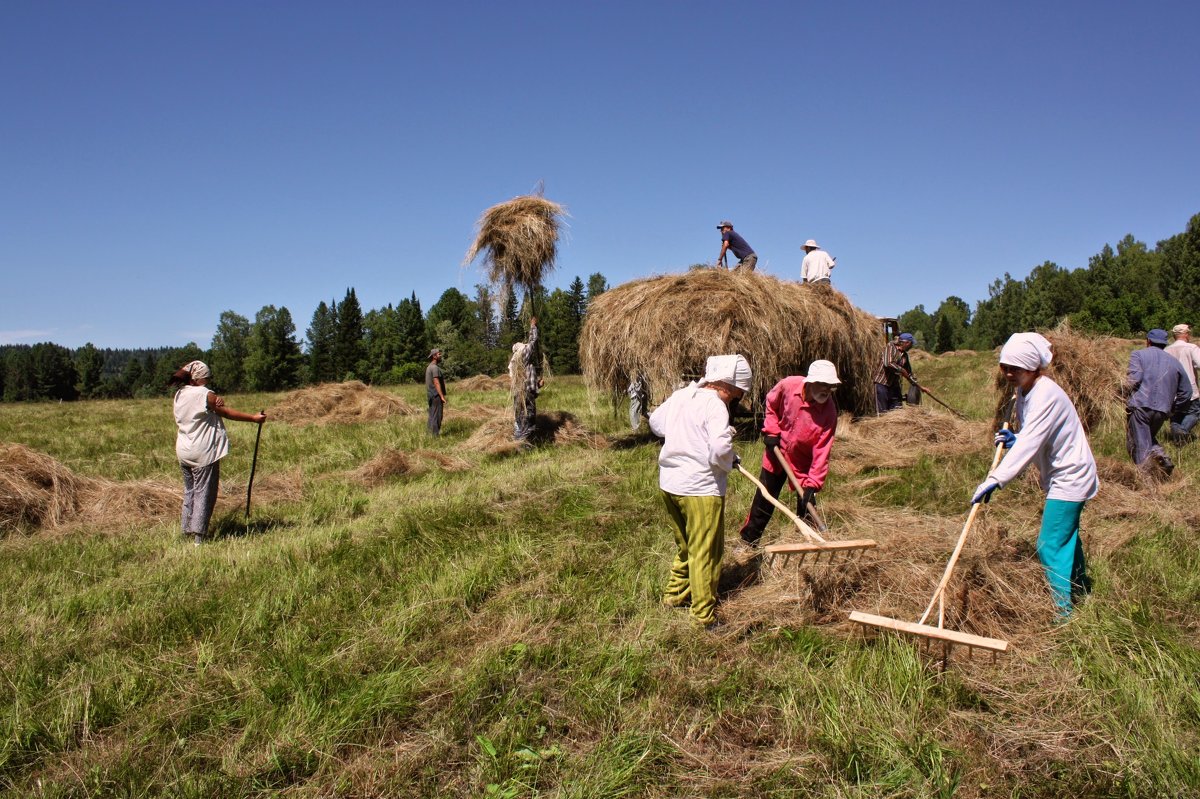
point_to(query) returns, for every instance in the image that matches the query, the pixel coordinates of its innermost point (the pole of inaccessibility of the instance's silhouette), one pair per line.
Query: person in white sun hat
(801, 419)
(817, 266)
(693, 471)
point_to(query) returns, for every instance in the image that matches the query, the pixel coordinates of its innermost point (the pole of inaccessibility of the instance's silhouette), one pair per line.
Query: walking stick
(253, 466)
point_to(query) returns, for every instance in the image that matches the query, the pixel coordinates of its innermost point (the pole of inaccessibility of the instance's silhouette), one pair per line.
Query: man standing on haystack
(435, 392)
(1157, 384)
(817, 266)
(732, 242)
(891, 368)
(800, 420)
(693, 471)
(522, 369)
(1188, 355)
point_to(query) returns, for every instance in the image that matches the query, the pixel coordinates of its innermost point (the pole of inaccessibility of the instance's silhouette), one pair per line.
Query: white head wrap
(198, 370)
(731, 369)
(1026, 350)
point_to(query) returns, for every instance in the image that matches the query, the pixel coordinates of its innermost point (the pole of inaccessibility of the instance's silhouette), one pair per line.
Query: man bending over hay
(526, 384)
(693, 470)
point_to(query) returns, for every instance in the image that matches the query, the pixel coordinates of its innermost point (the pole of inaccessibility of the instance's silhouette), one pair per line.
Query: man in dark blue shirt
(732, 242)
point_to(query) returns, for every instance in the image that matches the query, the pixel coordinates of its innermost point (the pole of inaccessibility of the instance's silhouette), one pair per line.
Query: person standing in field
(801, 420)
(1052, 437)
(200, 443)
(639, 401)
(817, 266)
(890, 369)
(435, 392)
(526, 384)
(1157, 385)
(732, 242)
(1188, 355)
(693, 472)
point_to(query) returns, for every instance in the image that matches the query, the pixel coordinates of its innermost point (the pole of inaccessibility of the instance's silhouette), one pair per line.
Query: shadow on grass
(736, 575)
(237, 526)
(633, 440)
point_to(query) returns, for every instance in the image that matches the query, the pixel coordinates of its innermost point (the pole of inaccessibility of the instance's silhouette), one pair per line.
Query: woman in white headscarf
(693, 471)
(1050, 436)
(200, 443)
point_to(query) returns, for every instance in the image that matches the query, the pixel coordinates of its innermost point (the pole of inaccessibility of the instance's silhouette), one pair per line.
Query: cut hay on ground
(37, 491)
(666, 327)
(481, 383)
(1090, 369)
(391, 464)
(338, 403)
(519, 241)
(901, 437)
(556, 428)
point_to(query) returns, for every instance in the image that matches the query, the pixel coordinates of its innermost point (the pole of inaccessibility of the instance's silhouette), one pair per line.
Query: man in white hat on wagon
(817, 266)
(693, 471)
(800, 419)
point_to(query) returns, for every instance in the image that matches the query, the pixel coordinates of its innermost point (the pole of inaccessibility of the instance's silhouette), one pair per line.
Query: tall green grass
(497, 633)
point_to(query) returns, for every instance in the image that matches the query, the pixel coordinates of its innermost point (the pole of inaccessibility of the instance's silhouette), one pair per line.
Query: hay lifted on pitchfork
(519, 241)
(665, 327)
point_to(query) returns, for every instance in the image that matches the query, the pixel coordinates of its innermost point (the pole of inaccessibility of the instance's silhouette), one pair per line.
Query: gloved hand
(737, 462)
(1005, 437)
(984, 492)
(770, 442)
(807, 497)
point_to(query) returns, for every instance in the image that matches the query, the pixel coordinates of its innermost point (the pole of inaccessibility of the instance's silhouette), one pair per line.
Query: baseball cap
(724, 223)
(1157, 336)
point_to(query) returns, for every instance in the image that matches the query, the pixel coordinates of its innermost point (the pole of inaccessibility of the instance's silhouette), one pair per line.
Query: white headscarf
(731, 369)
(1026, 350)
(198, 370)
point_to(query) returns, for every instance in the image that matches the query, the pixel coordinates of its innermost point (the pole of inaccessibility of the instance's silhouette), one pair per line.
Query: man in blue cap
(892, 366)
(732, 242)
(1156, 384)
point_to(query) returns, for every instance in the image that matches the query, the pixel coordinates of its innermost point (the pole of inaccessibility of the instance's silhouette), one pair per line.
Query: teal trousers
(700, 539)
(1060, 550)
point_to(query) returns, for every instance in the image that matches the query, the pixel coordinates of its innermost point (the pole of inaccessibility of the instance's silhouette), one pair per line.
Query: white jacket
(1052, 438)
(697, 453)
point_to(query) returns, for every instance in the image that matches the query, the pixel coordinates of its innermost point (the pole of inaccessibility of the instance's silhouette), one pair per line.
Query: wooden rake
(949, 638)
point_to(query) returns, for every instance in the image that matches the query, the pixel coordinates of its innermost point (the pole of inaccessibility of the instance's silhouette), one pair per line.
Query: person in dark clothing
(435, 392)
(732, 242)
(1156, 384)
(888, 372)
(526, 385)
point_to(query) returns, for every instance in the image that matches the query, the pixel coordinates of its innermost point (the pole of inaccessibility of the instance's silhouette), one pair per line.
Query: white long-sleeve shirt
(816, 265)
(697, 453)
(1052, 438)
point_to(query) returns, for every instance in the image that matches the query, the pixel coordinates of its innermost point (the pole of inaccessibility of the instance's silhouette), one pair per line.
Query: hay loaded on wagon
(664, 328)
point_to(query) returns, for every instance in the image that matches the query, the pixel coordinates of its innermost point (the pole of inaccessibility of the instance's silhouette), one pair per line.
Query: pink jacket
(805, 432)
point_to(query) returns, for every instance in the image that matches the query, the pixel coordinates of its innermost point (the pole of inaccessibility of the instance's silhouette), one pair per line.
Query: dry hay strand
(1090, 369)
(665, 328)
(481, 383)
(344, 403)
(269, 489)
(519, 241)
(386, 465)
(37, 491)
(476, 412)
(900, 437)
(444, 462)
(556, 428)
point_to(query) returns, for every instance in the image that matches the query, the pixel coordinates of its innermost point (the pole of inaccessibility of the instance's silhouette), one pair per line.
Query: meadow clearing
(404, 616)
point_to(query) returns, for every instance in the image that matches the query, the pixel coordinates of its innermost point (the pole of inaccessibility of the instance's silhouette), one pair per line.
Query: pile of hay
(519, 240)
(901, 437)
(556, 428)
(481, 383)
(391, 464)
(37, 491)
(1090, 369)
(665, 328)
(338, 403)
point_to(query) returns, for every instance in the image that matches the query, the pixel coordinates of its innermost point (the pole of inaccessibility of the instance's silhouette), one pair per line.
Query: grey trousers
(748, 263)
(524, 412)
(199, 496)
(1141, 433)
(436, 406)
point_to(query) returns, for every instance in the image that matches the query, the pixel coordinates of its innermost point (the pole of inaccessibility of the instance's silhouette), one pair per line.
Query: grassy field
(495, 631)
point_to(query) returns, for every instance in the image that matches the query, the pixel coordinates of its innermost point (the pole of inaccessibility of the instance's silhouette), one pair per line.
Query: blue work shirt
(737, 244)
(1158, 381)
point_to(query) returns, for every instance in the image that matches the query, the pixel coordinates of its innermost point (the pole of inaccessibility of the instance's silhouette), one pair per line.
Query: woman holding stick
(1051, 436)
(200, 443)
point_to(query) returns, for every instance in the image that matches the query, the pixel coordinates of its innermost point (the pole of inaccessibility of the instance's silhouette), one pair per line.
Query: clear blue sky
(164, 161)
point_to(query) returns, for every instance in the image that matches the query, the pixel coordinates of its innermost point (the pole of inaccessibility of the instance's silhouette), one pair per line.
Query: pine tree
(410, 324)
(321, 337)
(349, 351)
(274, 359)
(228, 352)
(89, 364)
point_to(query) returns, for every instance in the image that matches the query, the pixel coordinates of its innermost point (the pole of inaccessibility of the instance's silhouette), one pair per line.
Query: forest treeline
(342, 342)
(1122, 292)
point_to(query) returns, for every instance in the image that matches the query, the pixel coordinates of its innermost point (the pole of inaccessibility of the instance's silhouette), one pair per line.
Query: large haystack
(1091, 369)
(333, 403)
(665, 327)
(519, 241)
(554, 428)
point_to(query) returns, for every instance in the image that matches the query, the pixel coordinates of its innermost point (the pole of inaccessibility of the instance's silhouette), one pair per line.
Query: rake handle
(804, 528)
(934, 397)
(253, 467)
